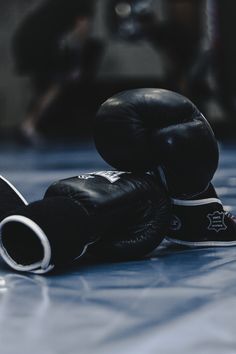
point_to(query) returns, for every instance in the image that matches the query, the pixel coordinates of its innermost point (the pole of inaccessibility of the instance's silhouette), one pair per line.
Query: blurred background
(60, 59)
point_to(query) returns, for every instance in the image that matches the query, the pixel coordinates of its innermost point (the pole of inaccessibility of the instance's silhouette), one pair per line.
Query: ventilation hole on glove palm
(22, 244)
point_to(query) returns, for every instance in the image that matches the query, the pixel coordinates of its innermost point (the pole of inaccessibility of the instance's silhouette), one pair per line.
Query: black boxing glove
(162, 130)
(145, 129)
(125, 215)
(202, 221)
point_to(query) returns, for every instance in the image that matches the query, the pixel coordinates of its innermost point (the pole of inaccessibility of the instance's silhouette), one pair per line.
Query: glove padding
(145, 129)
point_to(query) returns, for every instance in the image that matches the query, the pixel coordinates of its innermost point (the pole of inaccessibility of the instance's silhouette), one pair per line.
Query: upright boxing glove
(157, 129)
(145, 129)
(125, 215)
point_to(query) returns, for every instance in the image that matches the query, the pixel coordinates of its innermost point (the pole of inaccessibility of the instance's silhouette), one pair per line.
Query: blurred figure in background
(52, 46)
(189, 33)
(171, 26)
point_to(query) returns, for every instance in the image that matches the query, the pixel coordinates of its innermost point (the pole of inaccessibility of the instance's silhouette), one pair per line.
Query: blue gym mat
(179, 301)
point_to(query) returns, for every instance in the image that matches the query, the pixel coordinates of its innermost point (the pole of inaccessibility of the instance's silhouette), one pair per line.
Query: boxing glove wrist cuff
(40, 266)
(202, 222)
(181, 202)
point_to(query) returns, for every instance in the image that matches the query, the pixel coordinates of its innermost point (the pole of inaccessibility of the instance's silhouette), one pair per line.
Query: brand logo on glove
(217, 221)
(175, 223)
(111, 176)
(85, 176)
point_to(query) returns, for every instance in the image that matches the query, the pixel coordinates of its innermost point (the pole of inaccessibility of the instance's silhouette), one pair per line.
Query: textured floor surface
(179, 301)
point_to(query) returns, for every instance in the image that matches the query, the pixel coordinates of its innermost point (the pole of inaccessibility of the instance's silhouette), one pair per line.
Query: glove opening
(24, 246)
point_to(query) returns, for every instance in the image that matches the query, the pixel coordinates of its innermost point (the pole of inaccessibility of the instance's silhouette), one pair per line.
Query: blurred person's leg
(67, 108)
(52, 56)
(43, 94)
(186, 17)
(227, 57)
(211, 77)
